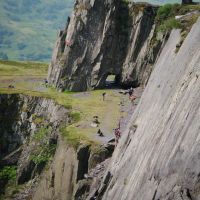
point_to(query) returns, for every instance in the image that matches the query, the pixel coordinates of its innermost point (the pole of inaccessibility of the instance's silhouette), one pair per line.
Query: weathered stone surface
(103, 38)
(100, 154)
(83, 155)
(59, 181)
(82, 189)
(159, 159)
(21, 119)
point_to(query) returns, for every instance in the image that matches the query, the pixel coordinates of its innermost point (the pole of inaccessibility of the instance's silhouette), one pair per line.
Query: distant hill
(28, 28)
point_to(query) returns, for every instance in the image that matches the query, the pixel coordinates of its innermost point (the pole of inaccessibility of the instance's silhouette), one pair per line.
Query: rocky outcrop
(21, 116)
(158, 155)
(29, 129)
(60, 180)
(47, 166)
(104, 38)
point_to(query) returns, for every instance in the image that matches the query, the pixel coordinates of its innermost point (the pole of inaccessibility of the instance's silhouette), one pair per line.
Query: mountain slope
(28, 28)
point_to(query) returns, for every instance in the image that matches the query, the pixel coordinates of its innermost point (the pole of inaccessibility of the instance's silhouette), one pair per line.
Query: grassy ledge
(175, 16)
(82, 106)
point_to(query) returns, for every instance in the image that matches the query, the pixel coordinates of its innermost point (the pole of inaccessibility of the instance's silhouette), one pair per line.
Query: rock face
(65, 172)
(21, 116)
(158, 155)
(47, 166)
(29, 129)
(104, 38)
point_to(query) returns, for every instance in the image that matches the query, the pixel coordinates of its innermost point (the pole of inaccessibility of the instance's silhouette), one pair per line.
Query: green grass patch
(75, 117)
(8, 173)
(165, 21)
(73, 137)
(42, 133)
(167, 11)
(43, 154)
(37, 119)
(165, 18)
(170, 24)
(13, 68)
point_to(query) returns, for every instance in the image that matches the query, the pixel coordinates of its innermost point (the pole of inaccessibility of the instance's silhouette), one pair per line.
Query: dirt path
(127, 108)
(24, 82)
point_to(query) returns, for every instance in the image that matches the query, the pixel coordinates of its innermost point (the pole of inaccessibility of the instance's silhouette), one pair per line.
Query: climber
(103, 95)
(45, 82)
(68, 43)
(100, 133)
(96, 120)
(117, 133)
(133, 98)
(130, 91)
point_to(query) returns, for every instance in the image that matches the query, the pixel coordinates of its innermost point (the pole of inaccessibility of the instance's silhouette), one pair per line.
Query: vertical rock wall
(30, 133)
(104, 38)
(158, 155)
(28, 126)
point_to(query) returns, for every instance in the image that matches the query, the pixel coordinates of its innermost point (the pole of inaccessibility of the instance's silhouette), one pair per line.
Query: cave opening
(112, 81)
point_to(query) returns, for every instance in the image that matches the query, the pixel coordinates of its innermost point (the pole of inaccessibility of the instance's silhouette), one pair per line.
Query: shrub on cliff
(8, 172)
(166, 11)
(169, 25)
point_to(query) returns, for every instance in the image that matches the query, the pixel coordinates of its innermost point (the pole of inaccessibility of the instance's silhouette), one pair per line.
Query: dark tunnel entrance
(112, 81)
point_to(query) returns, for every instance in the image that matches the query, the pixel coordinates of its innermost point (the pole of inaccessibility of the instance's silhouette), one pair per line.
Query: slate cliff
(158, 156)
(102, 38)
(33, 149)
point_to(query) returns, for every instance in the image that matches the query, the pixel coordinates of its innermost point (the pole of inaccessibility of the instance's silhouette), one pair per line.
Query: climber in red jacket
(68, 43)
(117, 133)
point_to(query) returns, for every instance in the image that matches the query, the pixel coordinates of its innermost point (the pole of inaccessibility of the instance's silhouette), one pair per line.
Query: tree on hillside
(186, 1)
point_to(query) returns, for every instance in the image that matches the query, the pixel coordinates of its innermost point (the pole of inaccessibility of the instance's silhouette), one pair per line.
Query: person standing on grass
(104, 96)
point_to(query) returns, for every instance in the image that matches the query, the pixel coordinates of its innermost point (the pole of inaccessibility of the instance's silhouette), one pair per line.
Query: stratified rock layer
(104, 38)
(158, 155)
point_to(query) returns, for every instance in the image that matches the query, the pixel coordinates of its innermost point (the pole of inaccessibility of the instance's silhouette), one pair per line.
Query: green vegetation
(170, 24)
(125, 2)
(41, 134)
(28, 28)
(73, 137)
(75, 117)
(11, 190)
(12, 68)
(166, 21)
(37, 120)
(22, 75)
(43, 154)
(44, 151)
(166, 18)
(167, 11)
(8, 173)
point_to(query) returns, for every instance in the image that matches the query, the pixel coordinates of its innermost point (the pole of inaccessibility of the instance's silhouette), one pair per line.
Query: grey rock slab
(162, 153)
